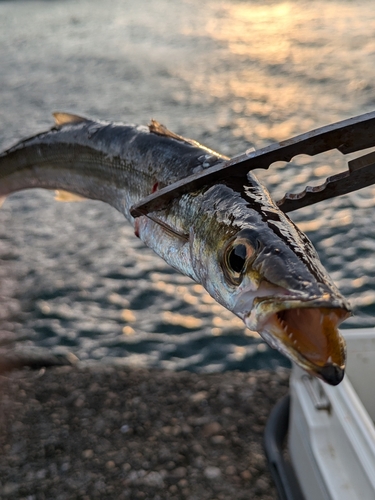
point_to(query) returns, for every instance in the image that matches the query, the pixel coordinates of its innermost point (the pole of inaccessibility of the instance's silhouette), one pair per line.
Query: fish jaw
(305, 331)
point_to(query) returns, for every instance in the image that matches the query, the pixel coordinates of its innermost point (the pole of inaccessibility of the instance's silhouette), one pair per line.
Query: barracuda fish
(239, 245)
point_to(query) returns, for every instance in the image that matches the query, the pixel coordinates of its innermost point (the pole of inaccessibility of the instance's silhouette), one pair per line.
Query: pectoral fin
(61, 195)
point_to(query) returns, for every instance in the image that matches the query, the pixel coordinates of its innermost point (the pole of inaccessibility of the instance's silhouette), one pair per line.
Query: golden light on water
(276, 63)
(359, 282)
(338, 219)
(128, 316)
(261, 31)
(216, 318)
(218, 322)
(128, 331)
(184, 320)
(260, 35)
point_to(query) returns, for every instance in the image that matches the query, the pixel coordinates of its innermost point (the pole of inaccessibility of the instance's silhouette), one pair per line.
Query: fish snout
(331, 373)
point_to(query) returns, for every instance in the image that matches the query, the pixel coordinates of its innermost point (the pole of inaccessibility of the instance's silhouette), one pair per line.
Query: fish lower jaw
(308, 336)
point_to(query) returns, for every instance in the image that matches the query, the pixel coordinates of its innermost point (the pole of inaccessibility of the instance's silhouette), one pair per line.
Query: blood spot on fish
(155, 187)
(136, 228)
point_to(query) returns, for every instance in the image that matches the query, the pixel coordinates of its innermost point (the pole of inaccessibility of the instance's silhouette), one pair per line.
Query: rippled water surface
(231, 74)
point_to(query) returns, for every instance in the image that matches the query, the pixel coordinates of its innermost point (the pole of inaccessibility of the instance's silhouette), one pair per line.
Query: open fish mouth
(310, 337)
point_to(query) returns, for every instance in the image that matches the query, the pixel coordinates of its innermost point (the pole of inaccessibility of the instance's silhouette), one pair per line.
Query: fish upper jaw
(306, 331)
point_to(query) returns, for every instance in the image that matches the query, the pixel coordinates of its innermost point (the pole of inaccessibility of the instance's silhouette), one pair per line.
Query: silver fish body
(246, 252)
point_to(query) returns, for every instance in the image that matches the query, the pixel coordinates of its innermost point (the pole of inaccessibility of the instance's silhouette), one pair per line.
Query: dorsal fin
(158, 128)
(65, 118)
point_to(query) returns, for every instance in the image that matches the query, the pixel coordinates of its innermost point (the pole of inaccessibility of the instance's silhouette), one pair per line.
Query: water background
(231, 74)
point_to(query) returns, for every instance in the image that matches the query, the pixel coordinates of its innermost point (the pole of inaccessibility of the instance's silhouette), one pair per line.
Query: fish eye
(236, 259)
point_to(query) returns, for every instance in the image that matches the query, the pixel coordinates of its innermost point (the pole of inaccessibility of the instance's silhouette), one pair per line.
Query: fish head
(268, 273)
(294, 307)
